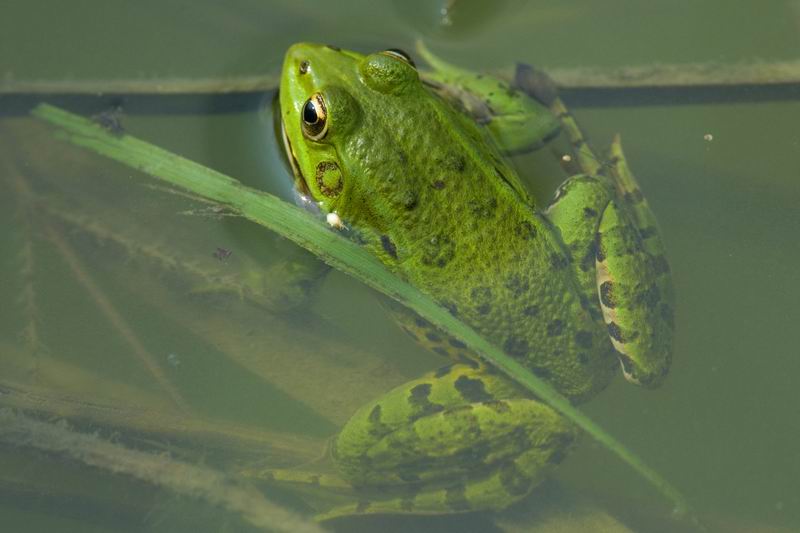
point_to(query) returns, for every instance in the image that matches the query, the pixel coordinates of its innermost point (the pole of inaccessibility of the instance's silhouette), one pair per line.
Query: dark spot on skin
(588, 212)
(456, 498)
(525, 230)
(578, 143)
(438, 185)
(455, 163)
(433, 337)
(542, 372)
(556, 327)
(409, 200)
(481, 299)
(482, 208)
(583, 339)
(651, 297)
(303, 68)
(558, 261)
(443, 371)
(468, 361)
(615, 332)
(451, 307)
(598, 246)
(362, 506)
(531, 310)
(422, 323)
(418, 399)
(587, 261)
(455, 343)
(375, 415)
(472, 390)
(583, 358)
(516, 346)
(514, 481)
(607, 294)
(438, 250)
(441, 351)
(388, 246)
(517, 285)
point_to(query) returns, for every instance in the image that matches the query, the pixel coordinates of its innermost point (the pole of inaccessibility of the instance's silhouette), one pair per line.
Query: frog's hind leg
(455, 440)
(609, 229)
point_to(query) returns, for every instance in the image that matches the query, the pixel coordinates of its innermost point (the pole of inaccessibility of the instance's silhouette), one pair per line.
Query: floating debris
(222, 253)
(173, 360)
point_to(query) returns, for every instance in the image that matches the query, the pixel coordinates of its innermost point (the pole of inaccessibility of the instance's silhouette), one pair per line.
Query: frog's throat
(299, 179)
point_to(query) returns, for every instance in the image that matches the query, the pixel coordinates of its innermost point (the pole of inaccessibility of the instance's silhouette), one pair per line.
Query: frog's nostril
(303, 66)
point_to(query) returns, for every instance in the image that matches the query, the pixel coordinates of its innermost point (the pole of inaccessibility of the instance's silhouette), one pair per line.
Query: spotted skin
(426, 187)
(474, 436)
(621, 259)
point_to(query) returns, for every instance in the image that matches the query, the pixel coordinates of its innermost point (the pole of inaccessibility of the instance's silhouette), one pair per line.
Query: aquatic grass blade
(314, 235)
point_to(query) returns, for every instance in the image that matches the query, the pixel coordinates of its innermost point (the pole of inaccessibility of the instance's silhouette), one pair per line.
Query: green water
(724, 427)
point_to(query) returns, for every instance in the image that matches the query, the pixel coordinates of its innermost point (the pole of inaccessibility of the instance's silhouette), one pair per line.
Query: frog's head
(328, 100)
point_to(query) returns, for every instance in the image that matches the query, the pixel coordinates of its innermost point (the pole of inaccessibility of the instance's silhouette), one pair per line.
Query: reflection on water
(123, 316)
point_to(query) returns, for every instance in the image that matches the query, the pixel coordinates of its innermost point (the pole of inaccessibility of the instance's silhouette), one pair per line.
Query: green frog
(414, 165)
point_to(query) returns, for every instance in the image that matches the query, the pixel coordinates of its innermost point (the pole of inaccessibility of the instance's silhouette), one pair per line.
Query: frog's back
(453, 218)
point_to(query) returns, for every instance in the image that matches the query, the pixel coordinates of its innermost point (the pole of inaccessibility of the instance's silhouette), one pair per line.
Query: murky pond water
(140, 316)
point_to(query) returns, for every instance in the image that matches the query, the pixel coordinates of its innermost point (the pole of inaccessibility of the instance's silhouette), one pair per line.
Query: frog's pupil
(310, 113)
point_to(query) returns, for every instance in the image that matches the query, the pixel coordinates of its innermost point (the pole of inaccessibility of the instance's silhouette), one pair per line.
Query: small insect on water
(111, 120)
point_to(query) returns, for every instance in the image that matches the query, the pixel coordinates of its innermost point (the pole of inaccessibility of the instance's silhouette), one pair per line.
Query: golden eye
(399, 54)
(315, 118)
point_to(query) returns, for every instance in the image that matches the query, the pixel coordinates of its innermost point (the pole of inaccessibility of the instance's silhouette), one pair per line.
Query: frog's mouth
(299, 180)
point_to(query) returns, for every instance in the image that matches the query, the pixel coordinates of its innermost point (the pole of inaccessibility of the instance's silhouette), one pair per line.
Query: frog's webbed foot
(612, 234)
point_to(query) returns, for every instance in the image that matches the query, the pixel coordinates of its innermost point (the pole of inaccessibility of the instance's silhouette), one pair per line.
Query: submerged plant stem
(345, 255)
(117, 321)
(183, 478)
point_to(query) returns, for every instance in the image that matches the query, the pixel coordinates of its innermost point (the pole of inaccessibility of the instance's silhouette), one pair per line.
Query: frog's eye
(399, 54)
(315, 118)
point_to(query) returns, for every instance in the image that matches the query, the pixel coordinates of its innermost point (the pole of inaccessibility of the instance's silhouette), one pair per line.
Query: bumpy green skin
(405, 164)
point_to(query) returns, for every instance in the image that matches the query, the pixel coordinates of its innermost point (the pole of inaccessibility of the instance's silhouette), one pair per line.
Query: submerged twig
(624, 77)
(183, 478)
(29, 334)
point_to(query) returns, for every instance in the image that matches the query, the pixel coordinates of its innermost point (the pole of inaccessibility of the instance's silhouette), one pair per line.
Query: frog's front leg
(458, 439)
(618, 256)
(517, 122)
